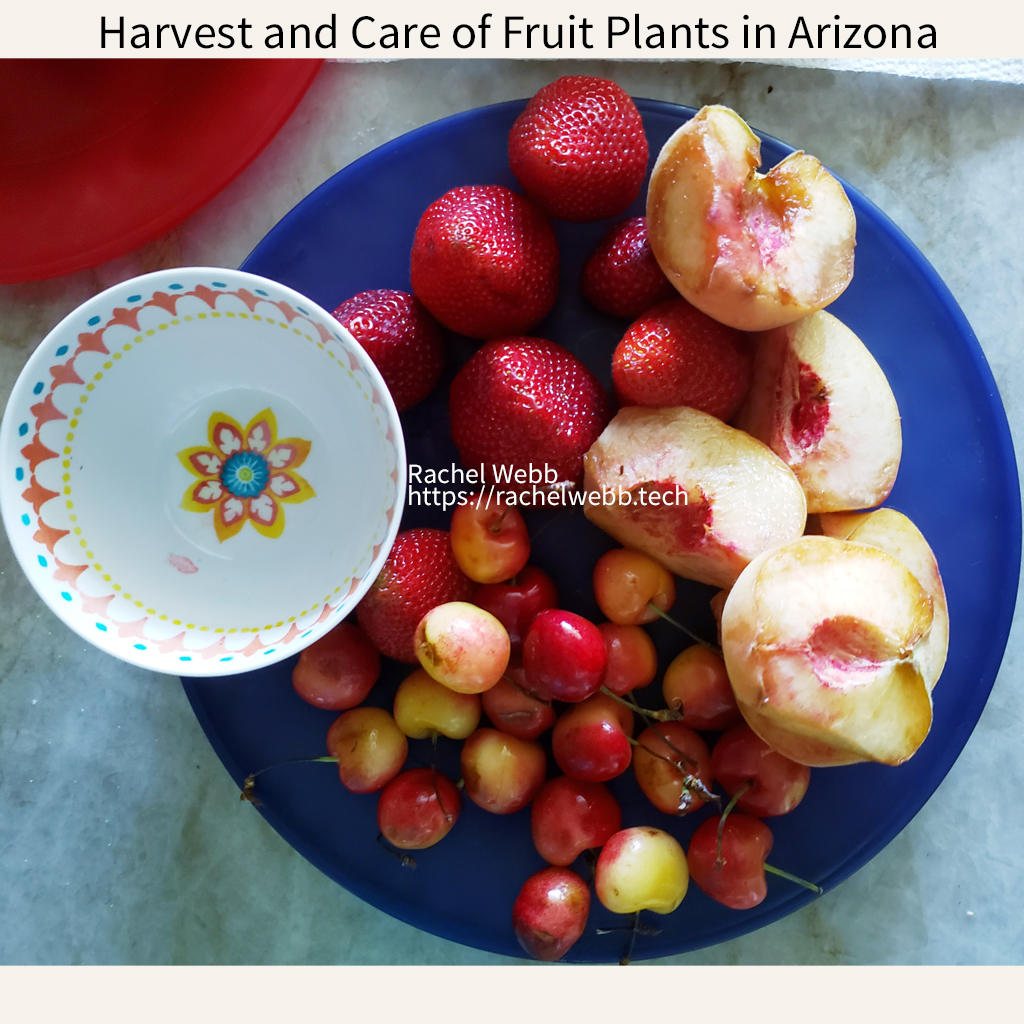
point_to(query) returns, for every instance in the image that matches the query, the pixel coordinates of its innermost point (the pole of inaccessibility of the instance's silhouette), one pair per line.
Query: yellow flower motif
(246, 474)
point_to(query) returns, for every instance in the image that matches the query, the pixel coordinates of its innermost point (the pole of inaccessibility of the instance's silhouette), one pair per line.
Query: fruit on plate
(823, 640)
(425, 708)
(823, 405)
(892, 531)
(668, 758)
(641, 868)
(631, 587)
(754, 251)
(767, 782)
(550, 912)
(569, 816)
(502, 773)
(485, 262)
(418, 808)
(564, 656)
(419, 574)
(370, 748)
(621, 276)
(338, 670)
(489, 539)
(737, 879)
(632, 658)
(697, 684)
(462, 646)
(513, 709)
(700, 497)
(518, 601)
(401, 338)
(673, 354)
(591, 741)
(579, 149)
(526, 410)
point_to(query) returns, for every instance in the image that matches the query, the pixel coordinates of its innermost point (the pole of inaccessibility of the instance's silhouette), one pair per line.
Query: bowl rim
(10, 489)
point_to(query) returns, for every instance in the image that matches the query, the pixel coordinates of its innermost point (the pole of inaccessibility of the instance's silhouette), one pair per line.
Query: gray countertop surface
(122, 839)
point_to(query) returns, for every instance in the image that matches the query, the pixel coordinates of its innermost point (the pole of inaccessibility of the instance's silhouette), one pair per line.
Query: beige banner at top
(552, 29)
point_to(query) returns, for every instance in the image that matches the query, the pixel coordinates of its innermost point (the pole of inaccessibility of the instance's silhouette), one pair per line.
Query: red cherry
(738, 881)
(564, 656)
(569, 816)
(514, 710)
(773, 783)
(657, 761)
(632, 658)
(339, 670)
(550, 912)
(518, 601)
(418, 809)
(591, 739)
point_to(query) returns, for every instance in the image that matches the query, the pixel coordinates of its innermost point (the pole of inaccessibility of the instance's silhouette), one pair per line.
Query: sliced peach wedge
(698, 496)
(754, 251)
(892, 531)
(825, 645)
(820, 401)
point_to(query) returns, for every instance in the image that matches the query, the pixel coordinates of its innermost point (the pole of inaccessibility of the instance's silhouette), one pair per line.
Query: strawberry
(401, 338)
(676, 355)
(419, 574)
(579, 149)
(622, 277)
(525, 402)
(485, 262)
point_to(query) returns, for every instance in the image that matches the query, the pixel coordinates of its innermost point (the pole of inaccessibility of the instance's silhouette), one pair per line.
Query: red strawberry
(401, 338)
(420, 573)
(676, 355)
(622, 277)
(525, 402)
(485, 262)
(579, 149)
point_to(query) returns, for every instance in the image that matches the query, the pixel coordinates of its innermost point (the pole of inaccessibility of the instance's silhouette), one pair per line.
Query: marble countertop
(122, 839)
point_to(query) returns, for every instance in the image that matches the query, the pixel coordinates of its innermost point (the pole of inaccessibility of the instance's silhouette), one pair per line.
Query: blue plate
(355, 233)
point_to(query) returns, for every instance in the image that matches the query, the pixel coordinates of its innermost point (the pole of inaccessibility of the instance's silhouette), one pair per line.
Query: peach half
(698, 496)
(820, 402)
(754, 251)
(825, 645)
(892, 531)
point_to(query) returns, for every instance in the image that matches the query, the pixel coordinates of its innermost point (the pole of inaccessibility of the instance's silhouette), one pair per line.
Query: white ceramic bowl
(201, 472)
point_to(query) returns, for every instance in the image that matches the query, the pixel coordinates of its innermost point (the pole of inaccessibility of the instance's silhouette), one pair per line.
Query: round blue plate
(354, 233)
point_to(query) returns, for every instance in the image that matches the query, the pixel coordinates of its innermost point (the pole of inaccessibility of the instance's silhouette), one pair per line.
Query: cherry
(591, 740)
(418, 808)
(501, 772)
(569, 816)
(512, 709)
(517, 602)
(370, 749)
(737, 879)
(564, 656)
(768, 783)
(338, 670)
(641, 869)
(626, 582)
(425, 708)
(667, 757)
(632, 658)
(550, 912)
(489, 539)
(696, 682)
(462, 646)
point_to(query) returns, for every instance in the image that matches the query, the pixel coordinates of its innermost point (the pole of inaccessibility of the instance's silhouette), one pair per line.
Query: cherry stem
(720, 860)
(690, 782)
(793, 878)
(249, 786)
(403, 858)
(689, 632)
(666, 715)
(495, 525)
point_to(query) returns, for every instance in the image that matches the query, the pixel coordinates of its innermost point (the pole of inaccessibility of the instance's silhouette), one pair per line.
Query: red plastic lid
(101, 156)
